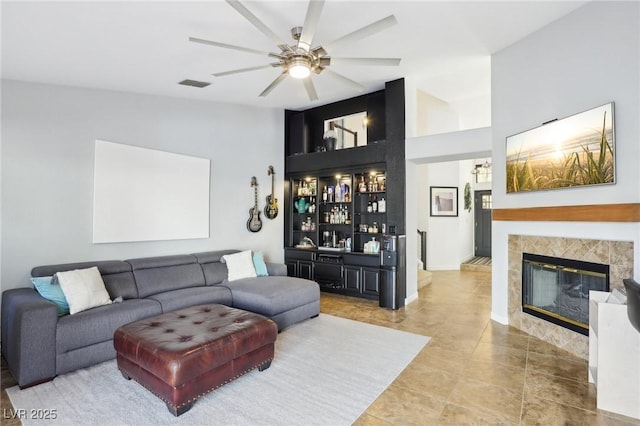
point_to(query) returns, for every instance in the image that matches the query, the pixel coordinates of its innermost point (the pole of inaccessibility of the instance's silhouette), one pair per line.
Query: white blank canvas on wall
(144, 194)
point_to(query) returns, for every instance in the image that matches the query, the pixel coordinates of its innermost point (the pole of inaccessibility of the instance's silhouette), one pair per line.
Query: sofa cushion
(52, 292)
(186, 297)
(239, 265)
(83, 289)
(166, 273)
(98, 324)
(116, 274)
(259, 265)
(215, 272)
(272, 295)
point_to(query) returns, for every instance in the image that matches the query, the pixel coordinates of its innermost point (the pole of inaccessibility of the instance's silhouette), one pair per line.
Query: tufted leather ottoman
(182, 355)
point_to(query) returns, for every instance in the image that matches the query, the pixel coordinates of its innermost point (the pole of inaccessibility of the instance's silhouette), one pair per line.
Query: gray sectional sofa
(38, 344)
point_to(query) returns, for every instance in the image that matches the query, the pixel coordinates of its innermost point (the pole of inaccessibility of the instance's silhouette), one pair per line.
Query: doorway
(482, 220)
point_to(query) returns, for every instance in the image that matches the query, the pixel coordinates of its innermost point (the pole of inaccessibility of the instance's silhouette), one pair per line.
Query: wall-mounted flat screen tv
(573, 151)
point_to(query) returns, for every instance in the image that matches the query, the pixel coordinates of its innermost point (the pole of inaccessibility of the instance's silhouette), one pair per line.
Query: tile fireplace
(618, 255)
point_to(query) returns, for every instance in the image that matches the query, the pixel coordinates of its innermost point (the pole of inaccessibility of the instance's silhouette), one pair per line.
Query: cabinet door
(370, 281)
(292, 268)
(305, 270)
(352, 278)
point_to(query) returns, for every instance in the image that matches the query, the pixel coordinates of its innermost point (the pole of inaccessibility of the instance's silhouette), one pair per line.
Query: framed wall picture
(143, 194)
(444, 200)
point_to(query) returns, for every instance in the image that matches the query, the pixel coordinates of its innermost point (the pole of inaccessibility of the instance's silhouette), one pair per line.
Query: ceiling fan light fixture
(299, 68)
(299, 59)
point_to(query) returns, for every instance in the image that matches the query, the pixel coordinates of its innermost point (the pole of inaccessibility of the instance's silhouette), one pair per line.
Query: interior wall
(462, 246)
(48, 135)
(435, 115)
(422, 195)
(585, 59)
(466, 241)
(442, 231)
(448, 237)
(473, 112)
(411, 222)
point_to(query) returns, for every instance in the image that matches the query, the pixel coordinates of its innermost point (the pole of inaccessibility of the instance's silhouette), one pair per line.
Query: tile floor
(474, 371)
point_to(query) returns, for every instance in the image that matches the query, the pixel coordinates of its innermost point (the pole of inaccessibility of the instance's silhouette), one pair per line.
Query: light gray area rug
(326, 371)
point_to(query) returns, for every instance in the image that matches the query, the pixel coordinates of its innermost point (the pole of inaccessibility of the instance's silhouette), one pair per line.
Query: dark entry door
(482, 204)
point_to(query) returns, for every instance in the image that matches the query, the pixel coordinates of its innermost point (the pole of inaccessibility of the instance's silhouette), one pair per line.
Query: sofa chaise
(38, 344)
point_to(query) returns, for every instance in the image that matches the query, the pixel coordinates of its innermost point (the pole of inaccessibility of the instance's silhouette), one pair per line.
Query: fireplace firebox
(557, 290)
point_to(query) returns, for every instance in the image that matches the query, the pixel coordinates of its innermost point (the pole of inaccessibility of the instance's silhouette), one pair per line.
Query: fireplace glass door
(557, 290)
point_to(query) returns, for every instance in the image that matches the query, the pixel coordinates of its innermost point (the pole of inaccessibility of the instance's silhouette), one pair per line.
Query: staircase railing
(422, 248)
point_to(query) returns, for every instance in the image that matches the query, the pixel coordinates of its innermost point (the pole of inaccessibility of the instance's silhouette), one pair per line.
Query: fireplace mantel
(628, 212)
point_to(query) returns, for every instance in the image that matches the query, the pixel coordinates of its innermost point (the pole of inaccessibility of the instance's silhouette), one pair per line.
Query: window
(483, 173)
(486, 201)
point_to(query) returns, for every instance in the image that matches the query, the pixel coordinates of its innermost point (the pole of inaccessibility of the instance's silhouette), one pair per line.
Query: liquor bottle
(325, 196)
(374, 204)
(362, 187)
(338, 193)
(382, 205)
(330, 194)
(346, 193)
(369, 207)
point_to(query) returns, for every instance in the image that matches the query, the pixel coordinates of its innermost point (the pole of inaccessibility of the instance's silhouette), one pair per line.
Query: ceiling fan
(300, 59)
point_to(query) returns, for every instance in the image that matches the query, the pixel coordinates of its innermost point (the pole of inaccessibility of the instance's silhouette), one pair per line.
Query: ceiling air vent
(194, 83)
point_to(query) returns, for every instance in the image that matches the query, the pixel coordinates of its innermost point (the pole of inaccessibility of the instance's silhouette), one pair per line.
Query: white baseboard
(500, 319)
(443, 268)
(411, 298)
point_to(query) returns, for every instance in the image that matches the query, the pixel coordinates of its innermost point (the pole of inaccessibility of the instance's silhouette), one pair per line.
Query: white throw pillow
(83, 288)
(239, 265)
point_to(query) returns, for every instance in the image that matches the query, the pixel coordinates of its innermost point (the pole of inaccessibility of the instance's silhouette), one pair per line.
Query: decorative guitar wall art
(271, 209)
(254, 224)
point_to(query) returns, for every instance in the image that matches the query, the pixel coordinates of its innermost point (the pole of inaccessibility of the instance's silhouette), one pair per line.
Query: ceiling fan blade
(242, 10)
(310, 24)
(393, 62)
(274, 83)
(311, 89)
(363, 32)
(229, 46)
(359, 87)
(259, 67)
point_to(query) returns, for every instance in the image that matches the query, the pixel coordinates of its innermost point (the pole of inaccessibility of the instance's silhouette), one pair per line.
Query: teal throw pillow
(258, 263)
(52, 292)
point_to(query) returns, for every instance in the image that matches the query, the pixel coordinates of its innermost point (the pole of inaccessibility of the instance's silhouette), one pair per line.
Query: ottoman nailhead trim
(202, 394)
